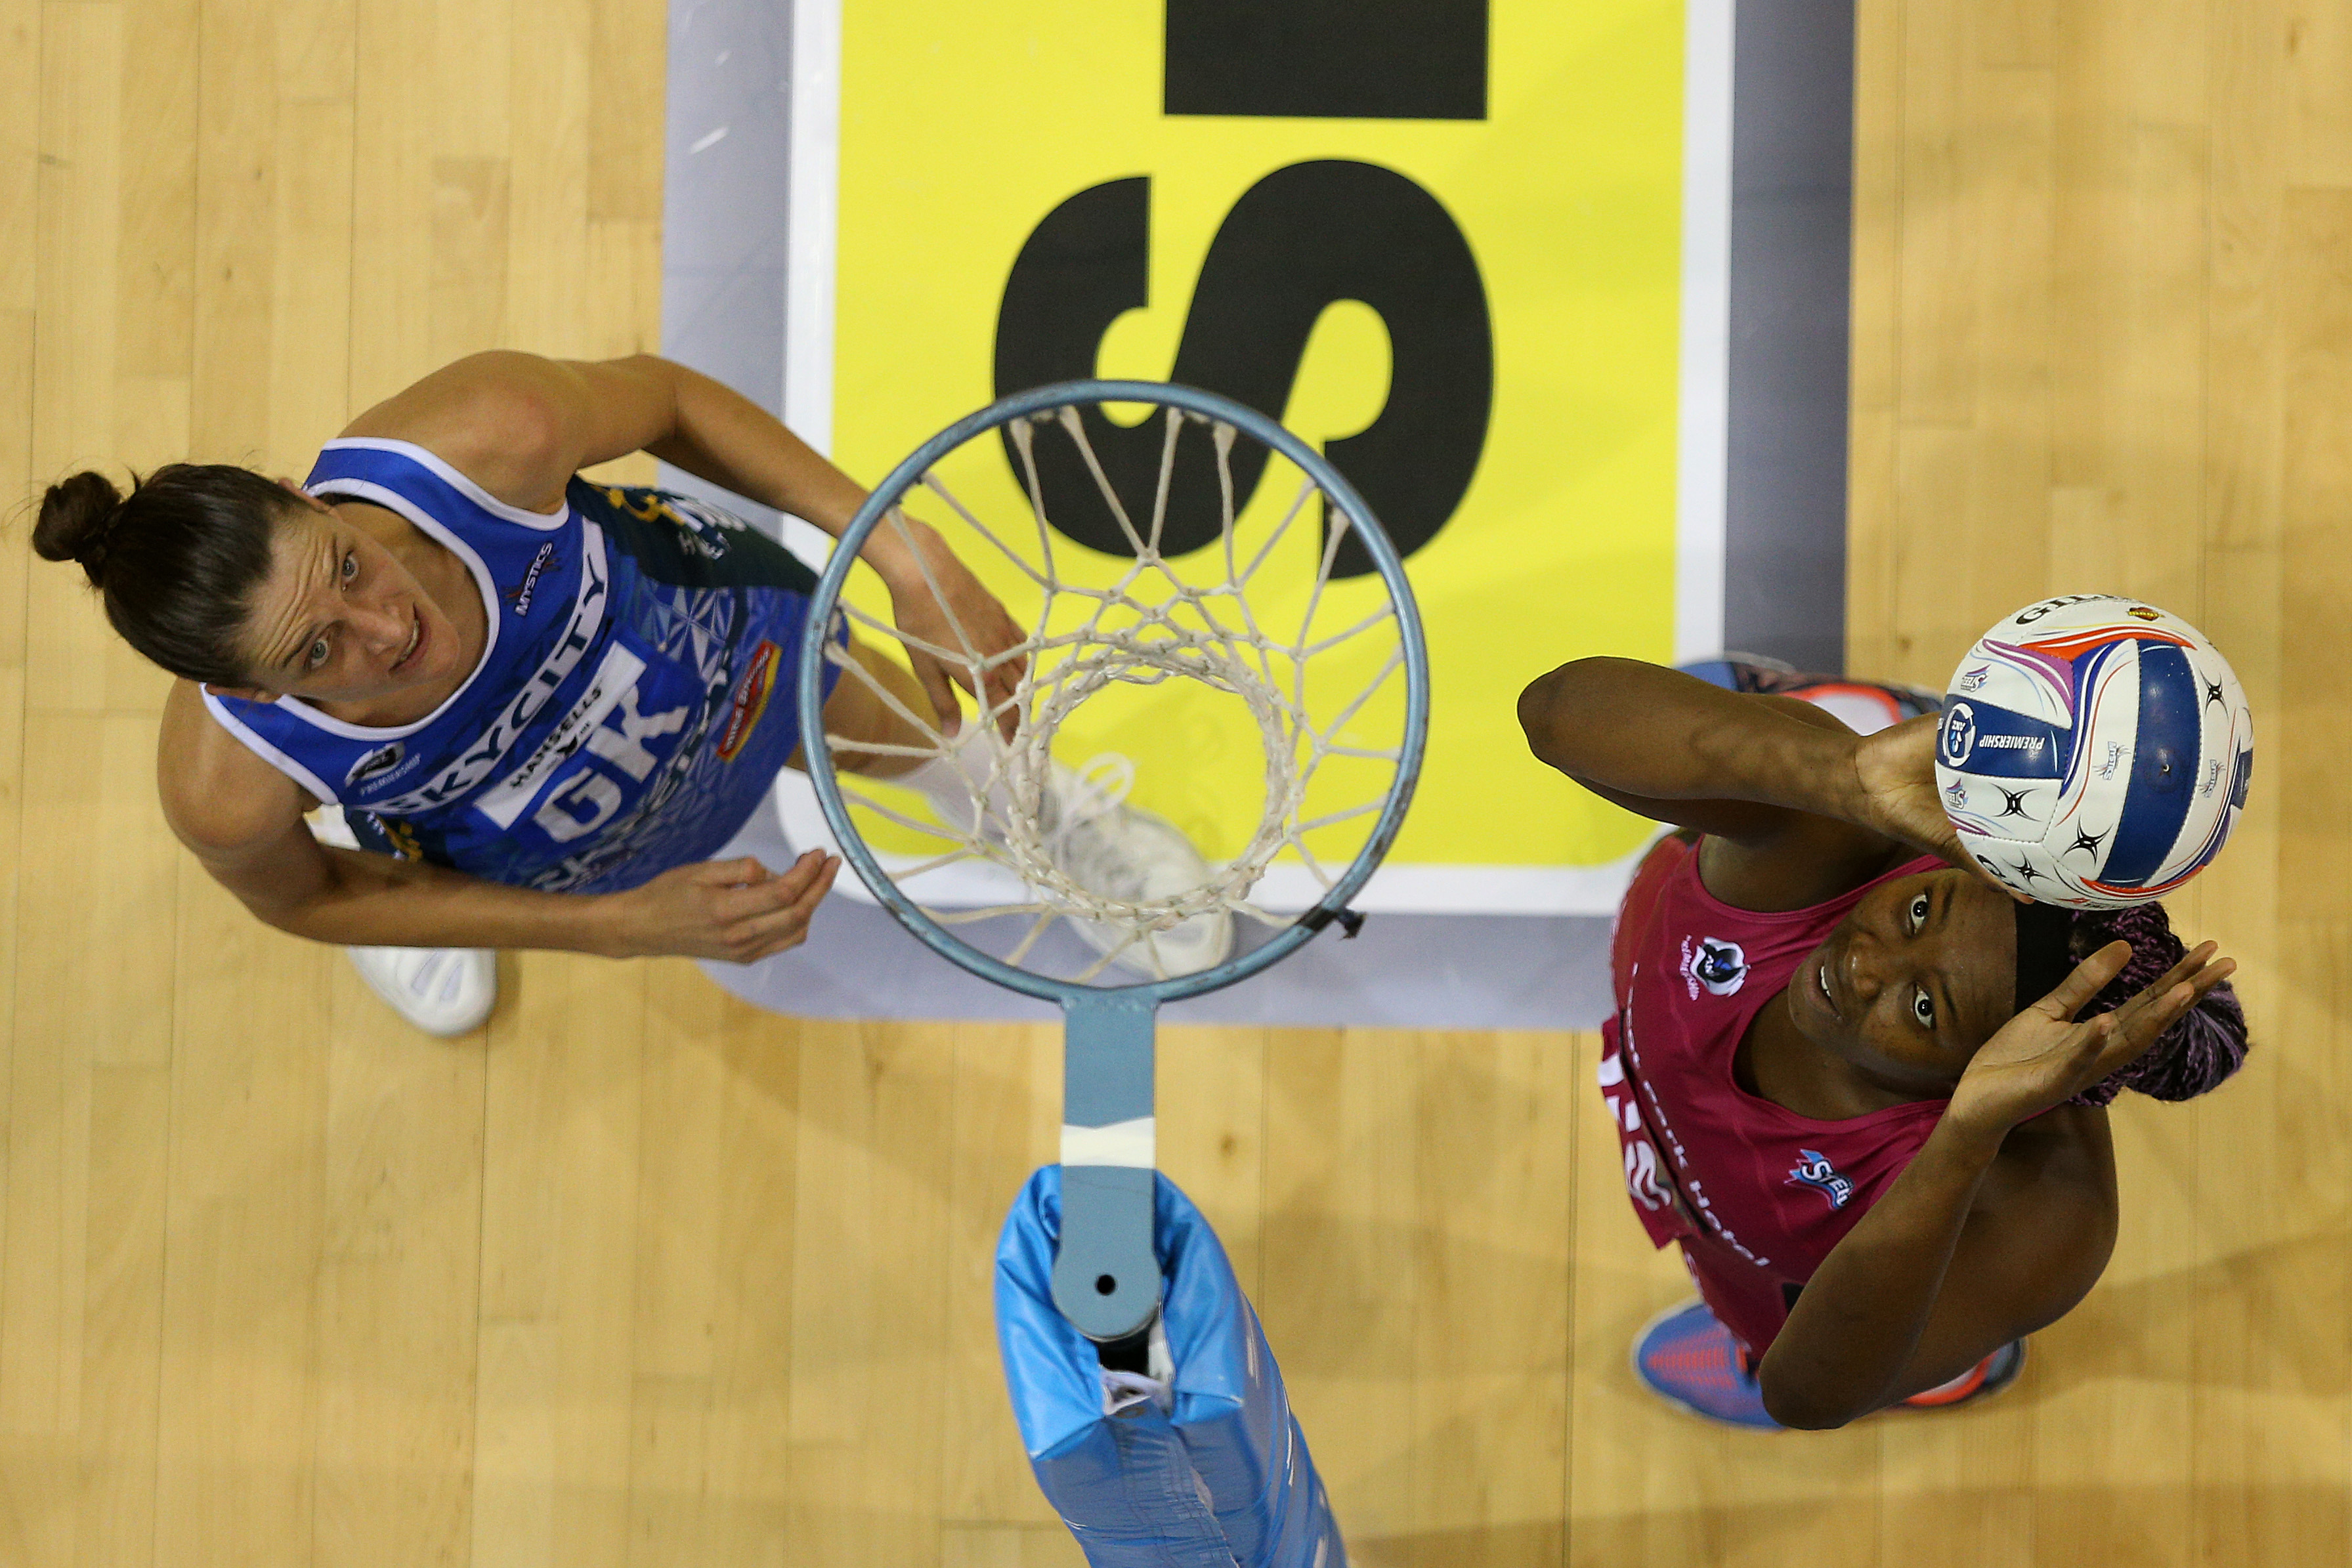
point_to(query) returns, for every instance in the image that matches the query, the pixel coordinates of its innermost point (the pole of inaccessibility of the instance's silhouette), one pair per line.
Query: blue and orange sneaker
(1690, 1359)
(1982, 1380)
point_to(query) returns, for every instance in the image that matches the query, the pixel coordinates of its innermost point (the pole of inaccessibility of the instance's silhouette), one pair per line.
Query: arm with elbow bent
(717, 433)
(1811, 807)
(734, 910)
(1681, 750)
(2001, 1223)
(243, 820)
(1983, 1239)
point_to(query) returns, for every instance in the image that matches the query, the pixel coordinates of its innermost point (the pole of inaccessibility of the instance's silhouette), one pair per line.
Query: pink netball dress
(1755, 1195)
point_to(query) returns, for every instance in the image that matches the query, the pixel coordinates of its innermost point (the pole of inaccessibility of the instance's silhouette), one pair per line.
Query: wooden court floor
(639, 1275)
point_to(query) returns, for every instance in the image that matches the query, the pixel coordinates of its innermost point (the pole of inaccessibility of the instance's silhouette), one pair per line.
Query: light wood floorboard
(637, 1275)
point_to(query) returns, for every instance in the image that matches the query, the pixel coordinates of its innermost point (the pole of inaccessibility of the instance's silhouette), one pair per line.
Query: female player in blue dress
(540, 702)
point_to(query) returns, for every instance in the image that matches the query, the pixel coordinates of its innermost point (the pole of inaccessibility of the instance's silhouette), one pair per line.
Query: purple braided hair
(2204, 1046)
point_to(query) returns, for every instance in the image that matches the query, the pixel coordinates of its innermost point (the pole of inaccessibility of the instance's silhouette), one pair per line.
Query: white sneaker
(441, 990)
(1121, 851)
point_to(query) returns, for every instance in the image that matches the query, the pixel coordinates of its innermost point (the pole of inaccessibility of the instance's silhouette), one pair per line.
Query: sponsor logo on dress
(380, 764)
(1814, 1169)
(1642, 1182)
(751, 694)
(520, 596)
(399, 835)
(1717, 968)
(705, 526)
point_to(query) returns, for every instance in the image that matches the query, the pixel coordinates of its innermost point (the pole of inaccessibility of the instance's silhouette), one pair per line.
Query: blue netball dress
(632, 706)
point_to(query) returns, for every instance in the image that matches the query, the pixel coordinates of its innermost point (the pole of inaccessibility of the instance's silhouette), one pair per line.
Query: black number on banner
(1297, 241)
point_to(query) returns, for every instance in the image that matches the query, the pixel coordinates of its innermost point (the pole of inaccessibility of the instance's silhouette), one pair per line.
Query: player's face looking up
(1919, 975)
(340, 618)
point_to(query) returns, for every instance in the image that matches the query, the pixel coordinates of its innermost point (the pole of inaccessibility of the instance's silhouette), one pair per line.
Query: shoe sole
(1134, 957)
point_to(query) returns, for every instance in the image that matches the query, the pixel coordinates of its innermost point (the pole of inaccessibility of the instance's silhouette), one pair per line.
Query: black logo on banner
(1298, 240)
(1365, 59)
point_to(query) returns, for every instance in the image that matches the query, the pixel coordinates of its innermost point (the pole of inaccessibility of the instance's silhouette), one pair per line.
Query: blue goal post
(1214, 1473)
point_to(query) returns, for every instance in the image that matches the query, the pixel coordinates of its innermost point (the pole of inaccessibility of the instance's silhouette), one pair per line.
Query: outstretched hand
(938, 603)
(2043, 1057)
(735, 911)
(1895, 770)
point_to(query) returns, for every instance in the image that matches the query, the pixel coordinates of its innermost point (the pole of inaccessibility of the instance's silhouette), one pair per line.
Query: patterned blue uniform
(630, 711)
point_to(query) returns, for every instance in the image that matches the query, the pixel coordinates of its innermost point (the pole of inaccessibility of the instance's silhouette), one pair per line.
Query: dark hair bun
(77, 515)
(2204, 1046)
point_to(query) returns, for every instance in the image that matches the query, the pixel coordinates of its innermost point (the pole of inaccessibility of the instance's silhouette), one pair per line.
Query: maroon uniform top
(1755, 1194)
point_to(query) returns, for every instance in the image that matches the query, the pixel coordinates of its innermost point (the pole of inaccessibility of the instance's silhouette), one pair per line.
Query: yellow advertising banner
(1453, 260)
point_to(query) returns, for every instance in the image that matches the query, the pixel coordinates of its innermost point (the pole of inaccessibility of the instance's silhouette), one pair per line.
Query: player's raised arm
(520, 426)
(1641, 733)
(1774, 778)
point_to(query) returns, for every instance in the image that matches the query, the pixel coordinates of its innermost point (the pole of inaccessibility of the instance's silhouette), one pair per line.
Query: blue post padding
(1224, 1477)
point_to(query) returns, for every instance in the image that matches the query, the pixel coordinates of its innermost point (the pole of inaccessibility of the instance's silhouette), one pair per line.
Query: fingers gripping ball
(2094, 751)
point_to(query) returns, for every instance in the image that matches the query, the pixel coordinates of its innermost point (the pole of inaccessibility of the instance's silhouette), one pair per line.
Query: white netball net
(1162, 620)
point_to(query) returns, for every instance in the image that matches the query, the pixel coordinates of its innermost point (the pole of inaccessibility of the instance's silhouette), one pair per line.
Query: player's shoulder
(493, 417)
(218, 796)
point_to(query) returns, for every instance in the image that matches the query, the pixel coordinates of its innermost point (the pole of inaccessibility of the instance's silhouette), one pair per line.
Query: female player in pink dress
(1861, 1090)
